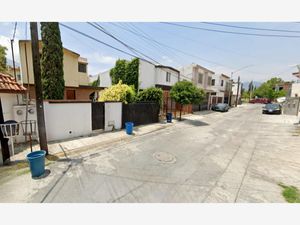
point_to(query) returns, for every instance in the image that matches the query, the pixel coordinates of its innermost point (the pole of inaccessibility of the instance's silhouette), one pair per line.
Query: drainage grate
(164, 157)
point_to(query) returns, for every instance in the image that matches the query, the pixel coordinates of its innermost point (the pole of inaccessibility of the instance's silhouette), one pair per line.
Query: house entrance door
(97, 115)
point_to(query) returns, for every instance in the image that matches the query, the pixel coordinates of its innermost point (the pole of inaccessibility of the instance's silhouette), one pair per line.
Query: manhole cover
(164, 157)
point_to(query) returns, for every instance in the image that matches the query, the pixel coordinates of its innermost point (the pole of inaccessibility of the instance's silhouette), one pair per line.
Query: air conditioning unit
(19, 113)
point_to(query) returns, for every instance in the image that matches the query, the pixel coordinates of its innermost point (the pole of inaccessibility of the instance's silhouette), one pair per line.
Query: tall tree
(2, 58)
(52, 61)
(118, 72)
(126, 71)
(185, 92)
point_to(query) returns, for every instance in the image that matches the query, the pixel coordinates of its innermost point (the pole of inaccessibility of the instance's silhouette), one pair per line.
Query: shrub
(118, 92)
(151, 94)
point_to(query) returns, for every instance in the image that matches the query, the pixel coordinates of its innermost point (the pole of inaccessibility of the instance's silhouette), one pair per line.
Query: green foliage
(52, 61)
(185, 92)
(118, 92)
(268, 89)
(290, 193)
(151, 94)
(132, 73)
(96, 83)
(118, 72)
(246, 95)
(2, 58)
(126, 71)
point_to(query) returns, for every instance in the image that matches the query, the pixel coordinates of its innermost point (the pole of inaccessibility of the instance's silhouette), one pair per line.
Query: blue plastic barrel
(169, 117)
(129, 127)
(37, 163)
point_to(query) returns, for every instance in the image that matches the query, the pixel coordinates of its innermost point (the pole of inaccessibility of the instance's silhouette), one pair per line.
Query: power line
(152, 42)
(207, 44)
(231, 32)
(14, 33)
(252, 28)
(100, 28)
(95, 39)
(178, 50)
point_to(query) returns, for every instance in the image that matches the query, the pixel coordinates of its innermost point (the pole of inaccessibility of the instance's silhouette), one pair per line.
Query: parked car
(271, 109)
(260, 100)
(221, 107)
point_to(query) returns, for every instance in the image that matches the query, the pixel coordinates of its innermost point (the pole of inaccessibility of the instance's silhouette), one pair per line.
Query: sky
(261, 57)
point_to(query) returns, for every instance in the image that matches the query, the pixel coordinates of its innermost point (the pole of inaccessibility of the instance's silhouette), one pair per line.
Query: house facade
(236, 93)
(221, 88)
(10, 93)
(157, 76)
(202, 78)
(150, 75)
(75, 73)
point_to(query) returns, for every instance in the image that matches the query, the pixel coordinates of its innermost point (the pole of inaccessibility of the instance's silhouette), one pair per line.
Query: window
(168, 77)
(82, 67)
(209, 81)
(222, 83)
(213, 82)
(200, 78)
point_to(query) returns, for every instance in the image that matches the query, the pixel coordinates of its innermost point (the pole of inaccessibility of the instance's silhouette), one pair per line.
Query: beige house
(201, 77)
(75, 73)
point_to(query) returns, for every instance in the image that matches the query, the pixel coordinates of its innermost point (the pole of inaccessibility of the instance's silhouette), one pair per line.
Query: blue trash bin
(37, 163)
(129, 127)
(169, 117)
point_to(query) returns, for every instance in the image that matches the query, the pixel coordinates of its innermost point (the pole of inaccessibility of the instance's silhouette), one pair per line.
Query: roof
(297, 74)
(40, 42)
(223, 75)
(167, 67)
(9, 85)
(197, 65)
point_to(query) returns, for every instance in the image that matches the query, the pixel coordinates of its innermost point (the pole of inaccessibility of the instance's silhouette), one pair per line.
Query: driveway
(239, 156)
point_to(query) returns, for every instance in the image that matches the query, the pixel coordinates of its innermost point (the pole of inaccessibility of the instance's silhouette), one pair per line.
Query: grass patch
(290, 193)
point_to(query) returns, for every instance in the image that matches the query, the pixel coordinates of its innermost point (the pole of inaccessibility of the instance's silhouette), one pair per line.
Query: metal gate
(97, 115)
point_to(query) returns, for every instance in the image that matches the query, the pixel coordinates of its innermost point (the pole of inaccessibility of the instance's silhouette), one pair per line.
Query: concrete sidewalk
(98, 139)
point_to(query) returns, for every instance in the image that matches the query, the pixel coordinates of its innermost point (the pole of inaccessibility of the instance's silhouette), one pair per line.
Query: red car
(260, 100)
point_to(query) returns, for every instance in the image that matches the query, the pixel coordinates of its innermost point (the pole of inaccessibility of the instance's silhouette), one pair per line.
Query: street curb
(103, 144)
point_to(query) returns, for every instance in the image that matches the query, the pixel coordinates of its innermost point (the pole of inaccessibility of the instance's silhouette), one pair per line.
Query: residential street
(239, 156)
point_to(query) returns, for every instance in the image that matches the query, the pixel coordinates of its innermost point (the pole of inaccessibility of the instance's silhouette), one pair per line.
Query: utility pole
(38, 86)
(237, 92)
(14, 65)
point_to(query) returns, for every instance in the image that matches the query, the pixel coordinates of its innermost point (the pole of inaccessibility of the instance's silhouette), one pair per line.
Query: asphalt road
(239, 156)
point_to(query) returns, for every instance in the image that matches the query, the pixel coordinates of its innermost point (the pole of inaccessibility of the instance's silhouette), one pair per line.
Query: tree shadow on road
(196, 123)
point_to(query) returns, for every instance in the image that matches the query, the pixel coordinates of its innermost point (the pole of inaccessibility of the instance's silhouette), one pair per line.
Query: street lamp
(237, 93)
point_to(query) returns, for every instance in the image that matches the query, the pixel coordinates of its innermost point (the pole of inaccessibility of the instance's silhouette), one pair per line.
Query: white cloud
(100, 58)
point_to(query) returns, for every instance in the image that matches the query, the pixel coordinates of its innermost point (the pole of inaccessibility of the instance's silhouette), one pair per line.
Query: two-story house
(150, 75)
(201, 77)
(75, 73)
(221, 88)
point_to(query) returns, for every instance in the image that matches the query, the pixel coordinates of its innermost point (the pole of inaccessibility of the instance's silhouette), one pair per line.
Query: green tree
(132, 73)
(118, 92)
(151, 94)
(3, 50)
(96, 83)
(118, 72)
(185, 92)
(126, 71)
(269, 89)
(52, 61)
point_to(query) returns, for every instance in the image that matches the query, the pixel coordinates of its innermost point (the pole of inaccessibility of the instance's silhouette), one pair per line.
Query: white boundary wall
(67, 120)
(113, 115)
